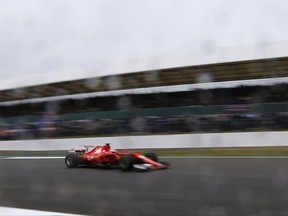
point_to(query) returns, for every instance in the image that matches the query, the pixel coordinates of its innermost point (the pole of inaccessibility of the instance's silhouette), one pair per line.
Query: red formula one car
(104, 156)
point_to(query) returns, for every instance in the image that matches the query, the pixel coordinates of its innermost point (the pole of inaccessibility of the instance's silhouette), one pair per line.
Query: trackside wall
(211, 140)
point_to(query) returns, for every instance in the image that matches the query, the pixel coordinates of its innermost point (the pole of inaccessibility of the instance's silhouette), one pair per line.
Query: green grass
(246, 151)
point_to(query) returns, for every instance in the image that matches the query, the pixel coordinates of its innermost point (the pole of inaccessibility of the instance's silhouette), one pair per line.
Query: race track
(200, 187)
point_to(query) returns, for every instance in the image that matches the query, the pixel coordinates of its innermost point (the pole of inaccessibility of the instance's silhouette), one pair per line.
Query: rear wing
(87, 147)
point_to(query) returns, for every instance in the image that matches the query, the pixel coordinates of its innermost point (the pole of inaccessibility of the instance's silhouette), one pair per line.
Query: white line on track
(7, 211)
(32, 157)
(172, 157)
(227, 157)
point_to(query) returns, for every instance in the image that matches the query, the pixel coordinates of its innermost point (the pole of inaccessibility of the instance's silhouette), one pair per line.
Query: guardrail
(205, 140)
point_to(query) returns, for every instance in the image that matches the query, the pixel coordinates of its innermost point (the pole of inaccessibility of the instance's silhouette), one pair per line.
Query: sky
(40, 36)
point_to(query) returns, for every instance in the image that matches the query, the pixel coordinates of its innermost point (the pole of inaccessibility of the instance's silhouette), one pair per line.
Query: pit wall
(211, 140)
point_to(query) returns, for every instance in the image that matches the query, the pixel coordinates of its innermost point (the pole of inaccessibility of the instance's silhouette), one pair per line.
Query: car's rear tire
(126, 163)
(72, 161)
(151, 156)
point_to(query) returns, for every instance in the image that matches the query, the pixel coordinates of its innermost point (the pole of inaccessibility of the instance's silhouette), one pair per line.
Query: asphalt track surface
(201, 187)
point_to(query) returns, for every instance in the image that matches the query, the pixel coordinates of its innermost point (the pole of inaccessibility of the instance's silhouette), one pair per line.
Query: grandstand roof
(202, 57)
(158, 89)
(259, 61)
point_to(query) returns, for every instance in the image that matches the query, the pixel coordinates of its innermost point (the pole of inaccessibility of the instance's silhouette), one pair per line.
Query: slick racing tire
(126, 163)
(151, 156)
(72, 161)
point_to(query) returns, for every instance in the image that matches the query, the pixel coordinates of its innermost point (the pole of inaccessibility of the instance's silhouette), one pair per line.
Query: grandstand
(236, 95)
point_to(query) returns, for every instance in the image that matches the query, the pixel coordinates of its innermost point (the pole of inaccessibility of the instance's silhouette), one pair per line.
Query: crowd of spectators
(49, 122)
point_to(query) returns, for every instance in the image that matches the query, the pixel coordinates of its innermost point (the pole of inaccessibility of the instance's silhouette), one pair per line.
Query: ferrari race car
(104, 156)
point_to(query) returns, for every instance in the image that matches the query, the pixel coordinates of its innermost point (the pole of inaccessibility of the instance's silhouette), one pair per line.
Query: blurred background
(103, 68)
(98, 68)
(173, 102)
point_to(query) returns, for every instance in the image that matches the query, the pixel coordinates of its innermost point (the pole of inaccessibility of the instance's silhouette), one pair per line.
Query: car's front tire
(151, 156)
(126, 163)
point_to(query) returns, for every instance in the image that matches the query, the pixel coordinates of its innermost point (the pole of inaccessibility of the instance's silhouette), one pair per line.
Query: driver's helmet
(107, 147)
